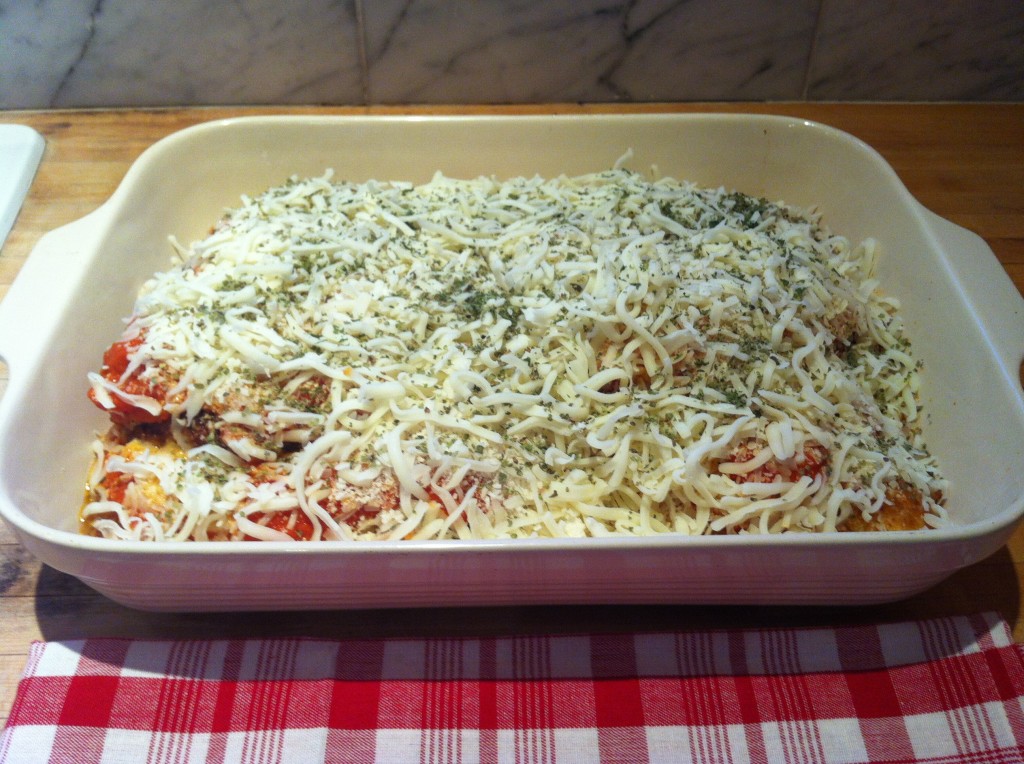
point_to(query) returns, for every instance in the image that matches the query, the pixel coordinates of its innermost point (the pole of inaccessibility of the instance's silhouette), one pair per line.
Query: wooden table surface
(964, 162)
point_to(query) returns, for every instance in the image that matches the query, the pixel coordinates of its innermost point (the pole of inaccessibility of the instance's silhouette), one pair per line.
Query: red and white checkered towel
(943, 690)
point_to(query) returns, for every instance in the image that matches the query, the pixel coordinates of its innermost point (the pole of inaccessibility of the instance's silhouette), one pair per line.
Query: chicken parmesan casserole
(477, 359)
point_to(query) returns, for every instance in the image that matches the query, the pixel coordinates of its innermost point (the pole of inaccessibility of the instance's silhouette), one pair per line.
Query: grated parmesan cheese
(604, 354)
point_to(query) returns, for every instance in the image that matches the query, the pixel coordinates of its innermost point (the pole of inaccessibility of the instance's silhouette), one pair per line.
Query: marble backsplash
(86, 53)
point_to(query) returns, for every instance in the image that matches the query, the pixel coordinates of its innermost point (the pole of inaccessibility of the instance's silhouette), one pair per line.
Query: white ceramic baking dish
(964, 316)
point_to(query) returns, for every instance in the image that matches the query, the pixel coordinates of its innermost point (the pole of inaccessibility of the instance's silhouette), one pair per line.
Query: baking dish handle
(994, 298)
(48, 278)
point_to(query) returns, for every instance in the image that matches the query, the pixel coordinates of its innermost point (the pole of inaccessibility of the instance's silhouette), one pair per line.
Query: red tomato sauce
(300, 530)
(115, 362)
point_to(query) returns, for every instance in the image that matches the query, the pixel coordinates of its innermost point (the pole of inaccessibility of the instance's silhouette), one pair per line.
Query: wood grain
(964, 162)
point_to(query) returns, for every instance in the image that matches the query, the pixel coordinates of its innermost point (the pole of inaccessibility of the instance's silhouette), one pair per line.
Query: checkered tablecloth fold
(943, 690)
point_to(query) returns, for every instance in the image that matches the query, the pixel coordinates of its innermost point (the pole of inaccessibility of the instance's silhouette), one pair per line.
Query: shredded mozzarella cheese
(604, 354)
